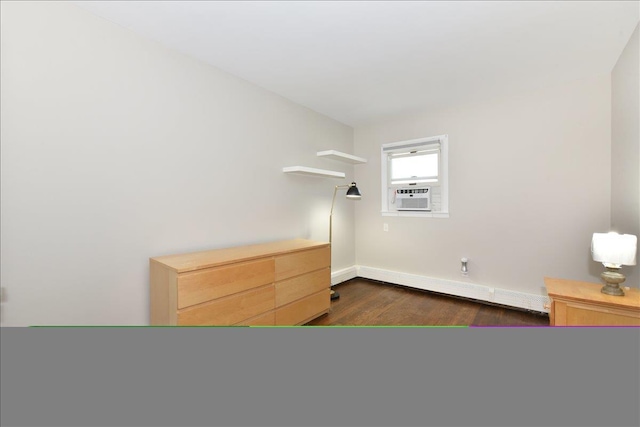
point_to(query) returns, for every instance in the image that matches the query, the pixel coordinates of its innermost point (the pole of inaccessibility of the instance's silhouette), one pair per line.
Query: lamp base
(334, 295)
(612, 280)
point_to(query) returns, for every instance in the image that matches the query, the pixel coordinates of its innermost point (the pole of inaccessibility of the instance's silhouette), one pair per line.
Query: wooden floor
(364, 302)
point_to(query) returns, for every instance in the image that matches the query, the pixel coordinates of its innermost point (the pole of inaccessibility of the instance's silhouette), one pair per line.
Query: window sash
(407, 148)
(405, 168)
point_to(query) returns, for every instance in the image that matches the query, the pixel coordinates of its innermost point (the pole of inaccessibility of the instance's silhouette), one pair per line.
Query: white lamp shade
(613, 249)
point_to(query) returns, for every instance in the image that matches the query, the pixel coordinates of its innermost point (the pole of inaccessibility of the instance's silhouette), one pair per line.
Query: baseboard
(450, 287)
(343, 275)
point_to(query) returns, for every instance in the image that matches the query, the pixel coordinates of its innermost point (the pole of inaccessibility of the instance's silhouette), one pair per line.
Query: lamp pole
(333, 202)
(352, 193)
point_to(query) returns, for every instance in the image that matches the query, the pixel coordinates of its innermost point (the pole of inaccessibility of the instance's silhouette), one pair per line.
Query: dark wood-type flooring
(365, 302)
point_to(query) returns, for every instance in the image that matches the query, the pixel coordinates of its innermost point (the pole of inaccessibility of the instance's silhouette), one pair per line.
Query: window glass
(414, 168)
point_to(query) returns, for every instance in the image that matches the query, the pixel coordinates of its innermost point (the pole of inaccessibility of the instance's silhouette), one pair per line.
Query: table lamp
(613, 250)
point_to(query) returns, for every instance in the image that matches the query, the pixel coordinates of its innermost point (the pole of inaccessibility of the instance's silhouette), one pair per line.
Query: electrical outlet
(464, 268)
(385, 227)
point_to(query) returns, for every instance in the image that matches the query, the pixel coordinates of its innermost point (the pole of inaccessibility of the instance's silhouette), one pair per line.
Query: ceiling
(361, 61)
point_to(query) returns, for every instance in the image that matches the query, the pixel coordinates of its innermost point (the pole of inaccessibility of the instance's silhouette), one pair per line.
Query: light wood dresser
(279, 283)
(575, 303)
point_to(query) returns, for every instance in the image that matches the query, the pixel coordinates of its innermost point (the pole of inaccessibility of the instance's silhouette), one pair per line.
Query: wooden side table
(575, 303)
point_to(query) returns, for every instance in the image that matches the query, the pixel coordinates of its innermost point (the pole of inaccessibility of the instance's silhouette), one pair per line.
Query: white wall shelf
(343, 157)
(303, 170)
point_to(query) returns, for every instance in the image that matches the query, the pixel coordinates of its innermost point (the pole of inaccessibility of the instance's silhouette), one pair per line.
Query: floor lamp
(352, 193)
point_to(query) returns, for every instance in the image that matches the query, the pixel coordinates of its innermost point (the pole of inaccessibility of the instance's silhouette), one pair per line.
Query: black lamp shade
(353, 192)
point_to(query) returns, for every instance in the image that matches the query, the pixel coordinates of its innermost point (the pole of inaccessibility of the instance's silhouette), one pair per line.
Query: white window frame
(443, 174)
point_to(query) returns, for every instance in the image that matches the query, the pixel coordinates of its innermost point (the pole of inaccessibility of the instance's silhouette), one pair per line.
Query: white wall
(116, 149)
(625, 147)
(529, 181)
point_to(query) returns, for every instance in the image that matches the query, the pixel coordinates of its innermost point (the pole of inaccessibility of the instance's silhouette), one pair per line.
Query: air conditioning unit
(413, 199)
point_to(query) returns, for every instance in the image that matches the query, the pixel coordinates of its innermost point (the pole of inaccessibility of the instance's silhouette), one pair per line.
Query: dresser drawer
(298, 263)
(212, 283)
(301, 286)
(304, 310)
(230, 310)
(266, 319)
(573, 313)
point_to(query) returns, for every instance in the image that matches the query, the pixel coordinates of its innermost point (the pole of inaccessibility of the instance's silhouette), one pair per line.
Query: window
(415, 169)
